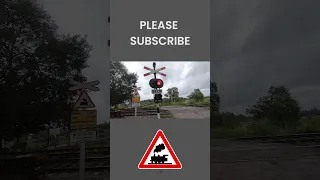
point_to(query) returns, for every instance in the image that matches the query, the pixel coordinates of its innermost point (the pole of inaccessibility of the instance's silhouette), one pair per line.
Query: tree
(196, 95)
(172, 94)
(278, 106)
(214, 98)
(36, 66)
(215, 117)
(120, 83)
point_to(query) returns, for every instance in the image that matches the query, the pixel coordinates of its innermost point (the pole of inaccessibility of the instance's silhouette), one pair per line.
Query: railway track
(290, 138)
(65, 160)
(142, 112)
(97, 159)
(72, 165)
(74, 150)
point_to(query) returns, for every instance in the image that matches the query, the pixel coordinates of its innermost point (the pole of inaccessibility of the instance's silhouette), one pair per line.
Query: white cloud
(186, 76)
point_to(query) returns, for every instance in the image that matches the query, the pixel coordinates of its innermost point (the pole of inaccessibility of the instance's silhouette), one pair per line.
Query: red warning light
(159, 82)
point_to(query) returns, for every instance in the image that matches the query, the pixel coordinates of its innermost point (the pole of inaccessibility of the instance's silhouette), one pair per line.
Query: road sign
(88, 85)
(135, 93)
(83, 120)
(154, 71)
(82, 136)
(160, 154)
(84, 101)
(135, 99)
(156, 91)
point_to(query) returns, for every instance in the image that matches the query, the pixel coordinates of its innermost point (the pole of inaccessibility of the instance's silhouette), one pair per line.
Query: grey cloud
(263, 43)
(87, 18)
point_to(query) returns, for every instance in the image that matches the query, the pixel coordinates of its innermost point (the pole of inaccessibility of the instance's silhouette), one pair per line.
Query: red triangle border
(159, 134)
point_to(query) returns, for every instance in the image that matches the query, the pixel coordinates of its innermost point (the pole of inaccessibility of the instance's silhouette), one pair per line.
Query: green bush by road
(264, 128)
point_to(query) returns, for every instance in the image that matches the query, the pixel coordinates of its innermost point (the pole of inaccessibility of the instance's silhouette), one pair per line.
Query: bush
(309, 125)
(262, 128)
(221, 132)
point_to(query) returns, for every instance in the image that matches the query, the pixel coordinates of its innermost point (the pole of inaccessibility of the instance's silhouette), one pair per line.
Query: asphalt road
(188, 112)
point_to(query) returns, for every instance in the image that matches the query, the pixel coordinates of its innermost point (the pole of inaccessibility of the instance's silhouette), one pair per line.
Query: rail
(304, 137)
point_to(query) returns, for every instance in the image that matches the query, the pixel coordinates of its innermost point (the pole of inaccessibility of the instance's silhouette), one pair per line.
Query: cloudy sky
(254, 44)
(179, 74)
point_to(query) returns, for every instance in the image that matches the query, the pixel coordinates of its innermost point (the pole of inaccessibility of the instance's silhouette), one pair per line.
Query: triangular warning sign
(160, 154)
(84, 101)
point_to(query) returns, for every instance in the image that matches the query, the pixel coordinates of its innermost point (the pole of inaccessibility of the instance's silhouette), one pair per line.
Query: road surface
(188, 112)
(245, 161)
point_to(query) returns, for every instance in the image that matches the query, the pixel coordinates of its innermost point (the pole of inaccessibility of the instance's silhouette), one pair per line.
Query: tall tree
(120, 83)
(36, 66)
(214, 97)
(172, 94)
(196, 95)
(214, 105)
(278, 106)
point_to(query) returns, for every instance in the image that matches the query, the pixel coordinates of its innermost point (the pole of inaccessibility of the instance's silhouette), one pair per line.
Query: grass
(206, 101)
(265, 128)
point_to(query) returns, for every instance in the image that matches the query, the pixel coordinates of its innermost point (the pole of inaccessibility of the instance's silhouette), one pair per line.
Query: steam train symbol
(158, 159)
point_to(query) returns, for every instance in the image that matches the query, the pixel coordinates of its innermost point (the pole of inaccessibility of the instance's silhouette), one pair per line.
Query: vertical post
(135, 112)
(157, 104)
(158, 111)
(82, 165)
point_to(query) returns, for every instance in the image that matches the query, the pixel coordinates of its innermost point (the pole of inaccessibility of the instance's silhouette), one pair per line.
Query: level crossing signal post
(135, 99)
(156, 84)
(83, 121)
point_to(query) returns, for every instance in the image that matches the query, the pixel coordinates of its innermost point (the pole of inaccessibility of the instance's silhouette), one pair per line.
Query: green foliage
(214, 97)
(36, 65)
(278, 106)
(180, 101)
(265, 127)
(120, 83)
(262, 127)
(309, 124)
(214, 105)
(196, 95)
(172, 94)
(221, 132)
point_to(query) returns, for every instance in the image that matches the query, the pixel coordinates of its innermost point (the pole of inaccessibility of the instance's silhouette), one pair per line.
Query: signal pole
(156, 85)
(157, 103)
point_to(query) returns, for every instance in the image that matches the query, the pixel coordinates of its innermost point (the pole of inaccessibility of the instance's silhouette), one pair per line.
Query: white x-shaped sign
(154, 71)
(136, 88)
(88, 85)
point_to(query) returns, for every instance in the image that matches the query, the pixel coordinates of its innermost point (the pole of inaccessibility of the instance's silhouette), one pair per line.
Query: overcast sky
(254, 44)
(186, 76)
